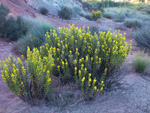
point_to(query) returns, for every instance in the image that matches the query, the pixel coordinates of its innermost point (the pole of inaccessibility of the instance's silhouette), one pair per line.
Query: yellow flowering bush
(29, 78)
(85, 59)
(96, 15)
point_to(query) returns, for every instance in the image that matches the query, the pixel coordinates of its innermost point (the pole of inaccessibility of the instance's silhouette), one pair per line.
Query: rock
(53, 5)
(39, 3)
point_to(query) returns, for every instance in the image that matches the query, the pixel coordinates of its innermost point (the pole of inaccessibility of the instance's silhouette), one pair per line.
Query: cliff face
(53, 5)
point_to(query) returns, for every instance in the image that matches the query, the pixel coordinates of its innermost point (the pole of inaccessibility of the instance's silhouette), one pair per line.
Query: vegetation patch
(141, 62)
(11, 29)
(65, 13)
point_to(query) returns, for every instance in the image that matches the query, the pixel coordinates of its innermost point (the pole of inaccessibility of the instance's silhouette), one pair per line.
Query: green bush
(140, 63)
(133, 23)
(65, 13)
(11, 29)
(96, 15)
(34, 38)
(43, 10)
(4, 11)
(141, 36)
(85, 59)
(119, 17)
(29, 79)
(108, 15)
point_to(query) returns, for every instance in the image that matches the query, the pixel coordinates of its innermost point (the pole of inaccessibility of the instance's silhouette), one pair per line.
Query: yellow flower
(89, 74)
(102, 82)
(49, 80)
(83, 79)
(101, 89)
(90, 79)
(94, 80)
(95, 88)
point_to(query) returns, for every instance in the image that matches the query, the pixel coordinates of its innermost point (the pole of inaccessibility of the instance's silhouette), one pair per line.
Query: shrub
(43, 10)
(11, 29)
(85, 59)
(133, 23)
(4, 11)
(119, 17)
(65, 13)
(88, 17)
(108, 15)
(141, 36)
(96, 15)
(140, 63)
(29, 79)
(34, 38)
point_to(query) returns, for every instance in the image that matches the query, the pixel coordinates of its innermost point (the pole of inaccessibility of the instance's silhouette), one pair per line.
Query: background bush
(43, 10)
(141, 62)
(141, 36)
(96, 15)
(11, 29)
(35, 37)
(65, 13)
(133, 23)
(28, 79)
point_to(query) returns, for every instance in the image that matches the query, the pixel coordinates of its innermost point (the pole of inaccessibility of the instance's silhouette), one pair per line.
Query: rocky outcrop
(53, 5)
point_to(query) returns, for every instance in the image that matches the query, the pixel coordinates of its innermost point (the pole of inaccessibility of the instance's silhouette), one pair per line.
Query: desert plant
(141, 36)
(34, 38)
(43, 10)
(31, 78)
(11, 29)
(133, 23)
(85, 59)
(4, 11)
(140, 63)
(120, 17)
(65, 13)
(96, 15)
(108, 15)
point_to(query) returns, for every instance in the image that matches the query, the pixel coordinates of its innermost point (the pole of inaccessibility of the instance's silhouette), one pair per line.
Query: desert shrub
(96, 15)
(141, 36)
(85, 59)
(87, 5)
(28, 41)
(65, 13)
(133, 23)
(109, 3)
(88, 17)
(4, 11)
(148, 10)
(29, 79)
(11, 29)
(120, 17)
(140, 63)
(108, 15)
(43, 10)
(34, 38)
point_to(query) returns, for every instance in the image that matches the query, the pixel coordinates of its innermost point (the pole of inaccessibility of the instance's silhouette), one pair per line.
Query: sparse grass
(141, 62)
